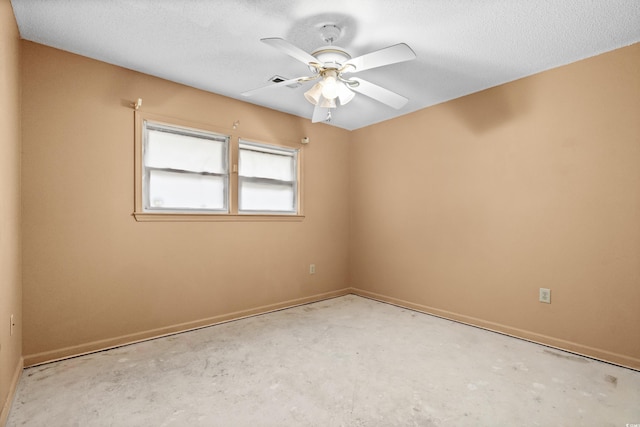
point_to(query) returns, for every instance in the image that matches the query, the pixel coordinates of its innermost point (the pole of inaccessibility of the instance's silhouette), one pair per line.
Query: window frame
(277, 150)
(148, 125)
(142, 215)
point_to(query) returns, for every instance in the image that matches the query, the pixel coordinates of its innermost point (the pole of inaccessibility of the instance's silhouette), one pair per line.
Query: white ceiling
(462, 46)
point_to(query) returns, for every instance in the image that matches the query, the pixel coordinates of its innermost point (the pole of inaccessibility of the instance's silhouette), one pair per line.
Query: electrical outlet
(545, 295)
(11, 325)
(312, 269)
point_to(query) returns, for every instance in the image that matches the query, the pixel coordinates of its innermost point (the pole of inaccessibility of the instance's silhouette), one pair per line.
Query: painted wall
(463, 210)
(10, 251)
(466, 209)
(95, 277)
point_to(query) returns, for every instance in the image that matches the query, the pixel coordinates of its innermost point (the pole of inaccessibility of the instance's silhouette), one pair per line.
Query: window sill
(200, 217)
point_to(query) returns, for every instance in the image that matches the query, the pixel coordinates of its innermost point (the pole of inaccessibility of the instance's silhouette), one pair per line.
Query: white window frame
(148, 125)
(155, 215)
(276, 150)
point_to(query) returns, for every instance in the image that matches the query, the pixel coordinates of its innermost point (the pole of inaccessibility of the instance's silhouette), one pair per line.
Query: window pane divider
(186, 171)
(266, 180)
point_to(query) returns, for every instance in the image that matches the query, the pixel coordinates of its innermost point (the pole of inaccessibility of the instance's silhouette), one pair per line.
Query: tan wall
(467, 208)
(10, 252)
(464, 210)
(93, 276)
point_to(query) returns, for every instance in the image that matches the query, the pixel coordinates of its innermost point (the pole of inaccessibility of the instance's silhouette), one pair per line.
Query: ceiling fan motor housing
(331, 56)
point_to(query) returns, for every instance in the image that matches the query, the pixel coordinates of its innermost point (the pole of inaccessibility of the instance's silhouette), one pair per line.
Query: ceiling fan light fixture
(330, 85)
(345, 95)
(313, 95)
(327, 103)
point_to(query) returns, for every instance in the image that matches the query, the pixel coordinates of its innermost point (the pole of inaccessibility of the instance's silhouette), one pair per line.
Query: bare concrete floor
(348, 361)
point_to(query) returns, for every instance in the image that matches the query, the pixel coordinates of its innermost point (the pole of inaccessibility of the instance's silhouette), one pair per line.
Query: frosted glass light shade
(345, 94)
(325, 92)
(313, 94)
(330, 87)
(327, 103)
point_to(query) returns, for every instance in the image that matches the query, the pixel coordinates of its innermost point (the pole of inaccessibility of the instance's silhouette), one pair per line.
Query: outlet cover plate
(545, 295)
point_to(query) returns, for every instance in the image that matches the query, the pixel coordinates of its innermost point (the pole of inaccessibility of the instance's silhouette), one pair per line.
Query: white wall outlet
(545, 295)
(11, 325)
(312, 269)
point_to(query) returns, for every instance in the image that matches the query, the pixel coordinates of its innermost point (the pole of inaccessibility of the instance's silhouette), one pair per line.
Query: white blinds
(167, 150)
(267, 179)
(186, 191)
(185, 169)
(266, 165)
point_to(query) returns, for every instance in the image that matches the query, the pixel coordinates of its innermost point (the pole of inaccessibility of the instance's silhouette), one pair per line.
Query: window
(184, 169)
(188, 171)
(267, 178)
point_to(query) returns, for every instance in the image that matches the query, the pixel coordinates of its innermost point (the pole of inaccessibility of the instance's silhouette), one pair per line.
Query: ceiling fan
(332, 65)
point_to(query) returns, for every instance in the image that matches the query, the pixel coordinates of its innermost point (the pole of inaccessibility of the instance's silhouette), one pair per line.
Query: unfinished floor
(348, 361)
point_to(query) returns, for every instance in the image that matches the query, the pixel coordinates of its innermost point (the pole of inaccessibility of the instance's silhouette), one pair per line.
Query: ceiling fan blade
(378, 93)
(319, 114)
(387, 56)
(290, 49)
(282, 83)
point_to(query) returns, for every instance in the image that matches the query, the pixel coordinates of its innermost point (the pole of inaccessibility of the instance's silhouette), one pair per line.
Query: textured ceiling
(462, 46)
